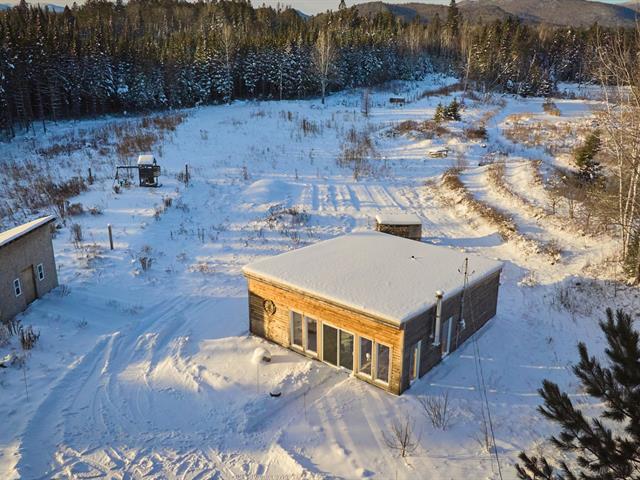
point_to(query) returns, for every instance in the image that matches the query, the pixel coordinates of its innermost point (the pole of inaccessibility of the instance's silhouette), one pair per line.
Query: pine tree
(589, 169)
(604, 448)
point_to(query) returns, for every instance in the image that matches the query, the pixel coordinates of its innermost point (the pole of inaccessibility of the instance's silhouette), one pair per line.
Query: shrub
(476, 133)
(76, 234)
(436, 409)
(144, 258)
(28, 337)
(551, 108)
(5, 336)
(74, 209)
(12, 325)
(309, 127)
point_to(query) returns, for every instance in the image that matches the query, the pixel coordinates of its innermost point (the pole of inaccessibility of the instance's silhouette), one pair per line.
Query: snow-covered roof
(398, 219)
(17, 232)
(145, 160)
(389, 277)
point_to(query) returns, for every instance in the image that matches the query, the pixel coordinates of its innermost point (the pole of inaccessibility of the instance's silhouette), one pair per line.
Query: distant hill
(554, 12)
(50, 6)
(632, 5)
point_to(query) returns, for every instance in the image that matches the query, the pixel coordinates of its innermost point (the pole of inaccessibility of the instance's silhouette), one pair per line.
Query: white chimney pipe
(436, 339)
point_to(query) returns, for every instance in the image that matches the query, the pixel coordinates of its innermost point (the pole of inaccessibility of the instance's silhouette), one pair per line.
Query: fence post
(90, 177)
(110, 236)
(186, 174)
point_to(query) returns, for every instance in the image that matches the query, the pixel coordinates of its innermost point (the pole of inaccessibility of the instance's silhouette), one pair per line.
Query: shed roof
(389, 277)
(398, 219)
(146, 159)
(17, 232)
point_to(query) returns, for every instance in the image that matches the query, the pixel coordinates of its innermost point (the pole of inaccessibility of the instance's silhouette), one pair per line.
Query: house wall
(27, 251)
(412, 232)
(480, 305)
(276, 327)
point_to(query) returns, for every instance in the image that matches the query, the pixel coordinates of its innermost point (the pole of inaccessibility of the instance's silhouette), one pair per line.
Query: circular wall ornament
(269, 307)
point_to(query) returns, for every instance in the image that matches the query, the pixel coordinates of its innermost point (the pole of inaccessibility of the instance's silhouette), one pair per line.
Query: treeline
(106, 57)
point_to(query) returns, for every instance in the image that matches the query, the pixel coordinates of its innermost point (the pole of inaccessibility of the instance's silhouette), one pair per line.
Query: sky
(306, 6)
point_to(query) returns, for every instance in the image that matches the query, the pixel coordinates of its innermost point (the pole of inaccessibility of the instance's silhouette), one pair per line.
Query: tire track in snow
(96, 381)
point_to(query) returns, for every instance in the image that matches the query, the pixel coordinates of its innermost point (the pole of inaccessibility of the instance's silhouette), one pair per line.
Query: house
(407, 225)
(27, 266)
(383, 307)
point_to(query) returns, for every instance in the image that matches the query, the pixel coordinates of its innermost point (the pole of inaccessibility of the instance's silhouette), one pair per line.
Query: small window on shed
(40, 269)
(17, 288)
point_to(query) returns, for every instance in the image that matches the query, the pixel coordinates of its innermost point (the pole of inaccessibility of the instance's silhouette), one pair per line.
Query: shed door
(28, 285)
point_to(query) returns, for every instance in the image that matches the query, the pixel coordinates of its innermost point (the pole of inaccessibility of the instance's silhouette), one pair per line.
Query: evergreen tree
(608, 447)
(589, 169)
(105, 56)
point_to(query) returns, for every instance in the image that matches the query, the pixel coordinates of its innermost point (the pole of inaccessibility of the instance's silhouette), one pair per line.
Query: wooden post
(186, 174)
(90, 177)
(110, 236)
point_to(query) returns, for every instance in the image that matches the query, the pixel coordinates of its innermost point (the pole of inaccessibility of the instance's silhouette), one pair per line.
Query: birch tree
(323, 58)
(620, 78)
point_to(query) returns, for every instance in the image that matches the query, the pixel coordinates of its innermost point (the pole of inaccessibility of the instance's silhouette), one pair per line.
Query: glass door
(346, 350)
(330, 344)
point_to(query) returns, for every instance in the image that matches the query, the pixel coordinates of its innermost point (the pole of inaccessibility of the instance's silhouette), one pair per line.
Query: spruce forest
(104, 57)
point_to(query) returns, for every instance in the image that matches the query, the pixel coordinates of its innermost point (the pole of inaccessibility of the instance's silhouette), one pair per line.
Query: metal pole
(110, 236)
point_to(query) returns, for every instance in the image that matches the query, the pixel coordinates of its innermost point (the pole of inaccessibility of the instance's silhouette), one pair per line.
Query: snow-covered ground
(147, 373)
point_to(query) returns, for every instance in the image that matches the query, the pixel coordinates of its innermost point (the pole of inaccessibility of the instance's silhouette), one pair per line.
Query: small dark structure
(405, 225)
(148, 171)
(27, 266)
(400, 101)
(439, 152)
(384, 308)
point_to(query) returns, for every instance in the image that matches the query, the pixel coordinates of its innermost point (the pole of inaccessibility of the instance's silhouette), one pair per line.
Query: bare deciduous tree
(436, 409)
(323, 58)
(620, 78)
(401, 437)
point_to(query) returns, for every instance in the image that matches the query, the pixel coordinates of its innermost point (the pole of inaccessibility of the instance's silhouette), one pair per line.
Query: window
(17, 288)
(296, 329)
(366, 356)
(383, 354)
(414, 367)
(346, 350)
(330, 344)
(40, 269)
(312, 335)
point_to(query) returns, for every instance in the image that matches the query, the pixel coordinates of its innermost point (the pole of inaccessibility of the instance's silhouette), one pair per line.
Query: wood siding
(412, 232)
(481, 302)
(480, 305)
(276, 327)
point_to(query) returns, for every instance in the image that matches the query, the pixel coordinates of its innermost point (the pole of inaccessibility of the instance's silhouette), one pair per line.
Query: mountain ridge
(577, 13)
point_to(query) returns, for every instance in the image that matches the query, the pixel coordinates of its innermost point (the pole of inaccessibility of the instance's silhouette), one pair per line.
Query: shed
(438, 152)
(383, 307)
(148, 171)
(27, 266)
(407, 225)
